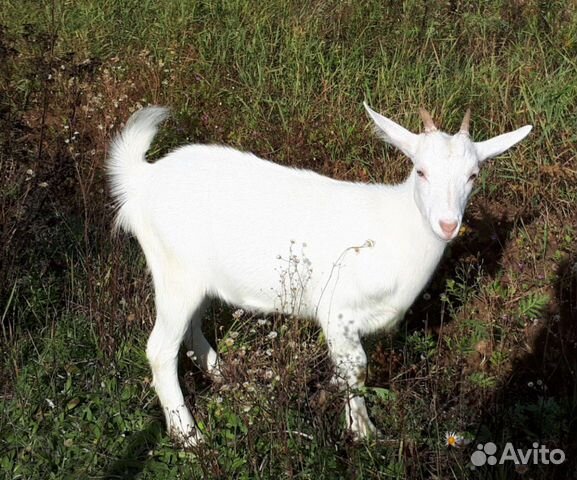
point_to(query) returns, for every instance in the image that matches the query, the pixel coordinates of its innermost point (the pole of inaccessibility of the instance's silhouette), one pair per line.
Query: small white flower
(229, 342)
(238, 313)
(262, 322)
(249, 386)
(268, 374)
(50, 403)
(272, 335)
(453, 439)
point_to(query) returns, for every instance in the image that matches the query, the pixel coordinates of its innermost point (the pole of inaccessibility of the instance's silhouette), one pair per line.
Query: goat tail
(127, 159)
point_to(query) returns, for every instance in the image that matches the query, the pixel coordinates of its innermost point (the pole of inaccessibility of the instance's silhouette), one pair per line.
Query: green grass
(488, 351)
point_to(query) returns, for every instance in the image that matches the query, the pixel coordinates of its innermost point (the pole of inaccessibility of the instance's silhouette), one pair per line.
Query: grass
(488, 351)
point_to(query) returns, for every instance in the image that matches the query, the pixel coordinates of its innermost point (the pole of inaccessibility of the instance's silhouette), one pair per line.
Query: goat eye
(420, 173)
(472, 177)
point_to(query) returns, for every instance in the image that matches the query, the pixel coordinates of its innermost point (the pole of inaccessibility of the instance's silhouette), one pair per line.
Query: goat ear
(393, 133)
(497, 145)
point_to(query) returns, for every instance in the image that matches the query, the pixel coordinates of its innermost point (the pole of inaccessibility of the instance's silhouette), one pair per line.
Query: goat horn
(427, 121)
(466, 121)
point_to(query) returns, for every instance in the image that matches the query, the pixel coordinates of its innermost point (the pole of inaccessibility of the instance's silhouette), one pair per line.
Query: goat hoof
(363, 429)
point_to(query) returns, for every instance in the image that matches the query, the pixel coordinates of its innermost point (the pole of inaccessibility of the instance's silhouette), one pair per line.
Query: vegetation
(489, 351)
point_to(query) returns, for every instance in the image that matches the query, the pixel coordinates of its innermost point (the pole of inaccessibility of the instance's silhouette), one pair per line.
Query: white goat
(214, 222)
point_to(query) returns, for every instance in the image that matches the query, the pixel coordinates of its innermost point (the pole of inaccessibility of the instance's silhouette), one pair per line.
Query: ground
(488, 352)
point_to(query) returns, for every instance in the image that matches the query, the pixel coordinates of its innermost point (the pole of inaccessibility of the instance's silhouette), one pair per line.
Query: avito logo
(539, 454)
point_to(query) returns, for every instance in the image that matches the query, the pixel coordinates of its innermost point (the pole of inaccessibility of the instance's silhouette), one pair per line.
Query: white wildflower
(453, 439)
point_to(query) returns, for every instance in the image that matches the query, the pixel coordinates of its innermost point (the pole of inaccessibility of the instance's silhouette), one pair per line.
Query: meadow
(488, 351)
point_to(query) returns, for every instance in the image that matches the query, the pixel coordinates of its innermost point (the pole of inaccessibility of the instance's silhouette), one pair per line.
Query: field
(489, 351)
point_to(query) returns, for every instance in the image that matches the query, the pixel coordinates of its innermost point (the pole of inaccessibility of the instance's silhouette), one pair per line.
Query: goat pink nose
(448, 227)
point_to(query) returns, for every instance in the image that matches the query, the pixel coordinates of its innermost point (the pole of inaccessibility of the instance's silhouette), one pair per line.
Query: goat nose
(448, 227)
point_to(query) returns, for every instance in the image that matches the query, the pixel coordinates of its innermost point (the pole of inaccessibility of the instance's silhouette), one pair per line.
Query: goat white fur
(214, 222)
